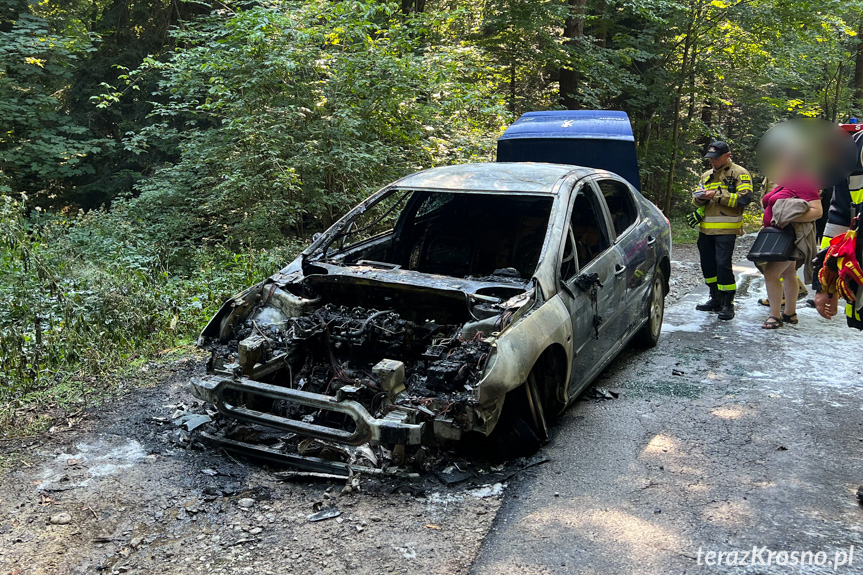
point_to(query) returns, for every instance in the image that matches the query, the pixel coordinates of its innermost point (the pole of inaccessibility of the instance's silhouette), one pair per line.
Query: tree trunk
(675, 127)
(838, 92)
(706, 119)
(573, 31)
(512, 88)
(600, 30)
(413, 6)
(857, 101)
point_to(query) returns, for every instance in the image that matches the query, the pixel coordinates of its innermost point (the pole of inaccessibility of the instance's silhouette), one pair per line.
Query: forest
(156, 156)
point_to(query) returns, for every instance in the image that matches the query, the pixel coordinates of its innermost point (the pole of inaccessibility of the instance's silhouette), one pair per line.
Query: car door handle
(619, 269)
(651, 240)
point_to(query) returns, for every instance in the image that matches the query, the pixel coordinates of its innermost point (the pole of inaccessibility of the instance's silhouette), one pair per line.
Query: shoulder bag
(773, 245)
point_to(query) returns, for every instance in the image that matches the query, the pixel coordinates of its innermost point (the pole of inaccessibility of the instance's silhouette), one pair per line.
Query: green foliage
(222, 132)
(83, 297)
(39, 143)
(288, 114)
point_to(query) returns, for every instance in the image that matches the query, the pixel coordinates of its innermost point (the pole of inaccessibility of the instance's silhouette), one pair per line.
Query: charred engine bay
(337, 345)
(419, 370)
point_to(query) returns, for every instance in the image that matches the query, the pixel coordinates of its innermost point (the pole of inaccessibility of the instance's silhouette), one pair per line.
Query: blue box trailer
(599, 139)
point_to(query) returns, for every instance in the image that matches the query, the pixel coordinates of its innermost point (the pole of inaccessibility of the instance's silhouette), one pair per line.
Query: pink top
(781, 193)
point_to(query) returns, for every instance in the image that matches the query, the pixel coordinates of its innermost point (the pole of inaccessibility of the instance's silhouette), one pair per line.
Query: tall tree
(573, 33)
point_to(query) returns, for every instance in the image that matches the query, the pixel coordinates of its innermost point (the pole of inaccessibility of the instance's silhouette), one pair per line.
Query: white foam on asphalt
(99, 458)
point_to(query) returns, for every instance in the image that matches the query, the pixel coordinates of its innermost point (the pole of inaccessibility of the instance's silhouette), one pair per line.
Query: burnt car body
(453, 301)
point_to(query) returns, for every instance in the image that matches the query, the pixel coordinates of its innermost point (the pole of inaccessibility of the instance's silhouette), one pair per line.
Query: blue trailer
(599, 139)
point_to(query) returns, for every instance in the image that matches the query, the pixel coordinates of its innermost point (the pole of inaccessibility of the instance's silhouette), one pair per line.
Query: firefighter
(847, 199)
(723, 193)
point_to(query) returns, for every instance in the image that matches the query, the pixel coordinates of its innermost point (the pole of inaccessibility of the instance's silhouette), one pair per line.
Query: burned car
(461, 301)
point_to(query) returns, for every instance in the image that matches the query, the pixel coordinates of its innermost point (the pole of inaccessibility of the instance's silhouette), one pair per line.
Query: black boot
(726, 311)
(712, 304)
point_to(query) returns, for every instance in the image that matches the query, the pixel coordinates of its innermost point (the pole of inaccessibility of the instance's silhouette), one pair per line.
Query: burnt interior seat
(586, 232)
(587, 243)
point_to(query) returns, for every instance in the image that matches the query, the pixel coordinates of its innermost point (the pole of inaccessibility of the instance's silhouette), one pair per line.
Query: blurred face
(807, 152)
(720, 161)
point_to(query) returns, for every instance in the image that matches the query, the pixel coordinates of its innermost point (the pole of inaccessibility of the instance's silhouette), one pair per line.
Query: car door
(592, 275)
(636, 245)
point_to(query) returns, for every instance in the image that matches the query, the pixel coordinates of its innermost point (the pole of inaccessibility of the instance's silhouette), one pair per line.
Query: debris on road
(60, 519)
(325, 513)
(602, 393)
(192, 421)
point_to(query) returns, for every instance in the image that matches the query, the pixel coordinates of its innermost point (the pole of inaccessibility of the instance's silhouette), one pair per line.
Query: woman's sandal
(792, 319)
(772, 322)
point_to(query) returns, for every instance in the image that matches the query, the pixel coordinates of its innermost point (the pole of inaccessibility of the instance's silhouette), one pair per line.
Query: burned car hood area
(407, 325)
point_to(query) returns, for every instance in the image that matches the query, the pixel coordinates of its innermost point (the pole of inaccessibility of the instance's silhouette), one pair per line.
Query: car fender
(516, 350)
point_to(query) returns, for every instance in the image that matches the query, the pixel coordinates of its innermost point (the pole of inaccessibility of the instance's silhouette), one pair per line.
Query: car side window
(621, 204)
(587, 230)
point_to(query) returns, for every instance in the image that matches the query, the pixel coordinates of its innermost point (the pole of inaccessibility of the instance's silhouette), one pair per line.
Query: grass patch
(681, 233)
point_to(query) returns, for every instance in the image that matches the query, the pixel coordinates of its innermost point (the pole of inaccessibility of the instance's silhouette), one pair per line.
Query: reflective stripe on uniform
(727, 287)
(857, 196)
(855, 182)
(714, 218)
(851, 312)
(833, 230)
(709, 281)
(732, 200)
(721, 225)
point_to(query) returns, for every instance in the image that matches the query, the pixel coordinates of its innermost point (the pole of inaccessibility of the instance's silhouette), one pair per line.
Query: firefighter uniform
(721, 223)
(847, 196)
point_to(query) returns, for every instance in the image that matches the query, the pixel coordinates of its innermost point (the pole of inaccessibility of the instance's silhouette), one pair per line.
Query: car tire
(648, 336)
(521, 428)
(535, 407)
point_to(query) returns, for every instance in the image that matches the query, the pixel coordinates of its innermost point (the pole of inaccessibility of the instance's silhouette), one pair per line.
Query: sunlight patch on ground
(661, 444)
(728, 411)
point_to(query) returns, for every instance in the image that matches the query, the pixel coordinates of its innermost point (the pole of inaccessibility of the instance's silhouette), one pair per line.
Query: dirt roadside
(125, 491)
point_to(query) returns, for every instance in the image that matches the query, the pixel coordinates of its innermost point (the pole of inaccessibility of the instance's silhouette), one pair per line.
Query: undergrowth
(86, 299)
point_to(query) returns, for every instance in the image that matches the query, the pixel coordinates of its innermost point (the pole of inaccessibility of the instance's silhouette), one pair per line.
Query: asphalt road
(724, 438)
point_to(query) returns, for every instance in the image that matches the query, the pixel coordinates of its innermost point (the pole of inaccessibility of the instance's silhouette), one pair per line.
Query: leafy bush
(83, 297)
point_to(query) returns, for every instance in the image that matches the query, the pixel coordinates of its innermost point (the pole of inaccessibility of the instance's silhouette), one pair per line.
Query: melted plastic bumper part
(367, 428)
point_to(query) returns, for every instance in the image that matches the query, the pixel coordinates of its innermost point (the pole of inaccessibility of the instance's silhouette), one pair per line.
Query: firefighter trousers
(716, 253)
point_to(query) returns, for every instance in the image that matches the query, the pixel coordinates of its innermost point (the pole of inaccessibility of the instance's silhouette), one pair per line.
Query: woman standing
(796, 203)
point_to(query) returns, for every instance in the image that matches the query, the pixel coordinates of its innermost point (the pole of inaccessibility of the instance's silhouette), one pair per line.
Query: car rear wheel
(648, 335)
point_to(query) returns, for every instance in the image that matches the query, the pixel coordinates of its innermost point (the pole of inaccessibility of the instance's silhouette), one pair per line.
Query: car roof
(496, 177)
